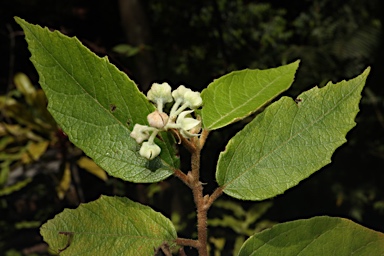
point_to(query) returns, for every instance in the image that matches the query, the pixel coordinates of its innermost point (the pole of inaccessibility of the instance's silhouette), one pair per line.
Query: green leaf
(108, 226)
(289, 141)
(240, 93)
(315, 236)
(96, 105)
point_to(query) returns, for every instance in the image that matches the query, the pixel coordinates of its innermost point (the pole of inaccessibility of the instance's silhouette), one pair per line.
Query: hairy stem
(213, 197)
(182, 176)
(187, 242)
(192, 179)
(197, 190)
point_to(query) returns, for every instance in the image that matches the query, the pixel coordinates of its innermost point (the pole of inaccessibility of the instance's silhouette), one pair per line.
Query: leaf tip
(367, 71)
(19, 20)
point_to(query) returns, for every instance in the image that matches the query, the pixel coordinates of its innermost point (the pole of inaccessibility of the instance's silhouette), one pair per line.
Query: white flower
(186, 124)
(160, 94)
(193, 99)
(180, 92)
(140, 132)
(186, 98)
(149, 150)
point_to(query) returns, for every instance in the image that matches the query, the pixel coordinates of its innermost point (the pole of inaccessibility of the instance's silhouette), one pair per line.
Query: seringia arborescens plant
(132, 137)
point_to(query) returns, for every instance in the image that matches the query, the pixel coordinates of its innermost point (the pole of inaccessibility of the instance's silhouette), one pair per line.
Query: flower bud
(180, 92)
(149, 150)
(160, 94)
(157, 119)
(187, 124)
(193, 99)
(140, 133)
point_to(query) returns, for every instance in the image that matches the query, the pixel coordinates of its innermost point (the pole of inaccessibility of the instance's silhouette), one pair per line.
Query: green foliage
(237, 95)
(289, 141)
(315, 236)
(97, 107)
(109, 226)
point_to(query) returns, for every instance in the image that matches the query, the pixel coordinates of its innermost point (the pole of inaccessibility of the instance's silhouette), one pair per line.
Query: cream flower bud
(186, 124)
(180, 92)
(140, 133)
(193, 99)
(157, 119)
(149, 150)
(160, 94)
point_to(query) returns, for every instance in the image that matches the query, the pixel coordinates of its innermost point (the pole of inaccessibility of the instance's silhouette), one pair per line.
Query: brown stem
(197, 190)
(182, 176)
(203, 137)
(165, 249)
(181, 252)
(218, 191)
(187, 242)
(192, 179)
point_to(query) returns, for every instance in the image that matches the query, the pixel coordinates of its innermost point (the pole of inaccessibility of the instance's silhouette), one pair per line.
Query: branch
(218, 191)
(187, 242)
(183, 177)
(181, 252)
(203, 137)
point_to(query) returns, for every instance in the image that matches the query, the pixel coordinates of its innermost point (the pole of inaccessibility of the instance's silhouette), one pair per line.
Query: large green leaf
(96, 105)
(316, 236)
(108, 226)
(240, 93)
(289, 141)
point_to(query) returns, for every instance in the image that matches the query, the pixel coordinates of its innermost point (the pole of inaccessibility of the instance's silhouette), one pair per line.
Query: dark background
(191, 43)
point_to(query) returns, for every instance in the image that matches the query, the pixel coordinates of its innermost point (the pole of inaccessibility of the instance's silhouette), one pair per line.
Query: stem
(186, 143)
(153, 136)
(192, 179)
(165, 249)
(181, 252)
(213, 197)
(182, 176)
(197, 190)
(203, 137)
(187, 242)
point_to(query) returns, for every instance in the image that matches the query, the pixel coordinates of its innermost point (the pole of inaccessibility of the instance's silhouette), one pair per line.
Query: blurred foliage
(232, 224)
(222, 35)
(193, 42)
(27, 128)
(33, 152)
(334, 39)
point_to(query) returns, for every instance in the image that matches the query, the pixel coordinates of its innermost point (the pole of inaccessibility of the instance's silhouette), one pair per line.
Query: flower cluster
(179, 117)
